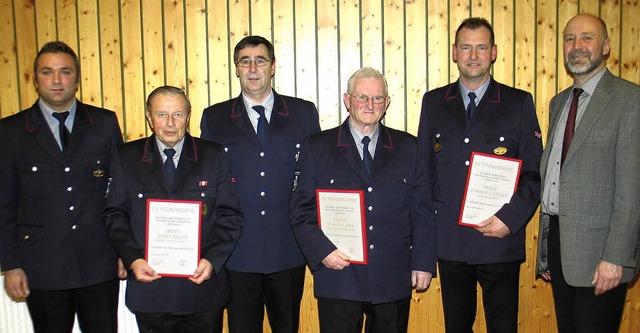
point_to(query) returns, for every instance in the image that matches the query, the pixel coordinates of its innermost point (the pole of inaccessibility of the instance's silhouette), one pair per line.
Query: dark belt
(553, 218)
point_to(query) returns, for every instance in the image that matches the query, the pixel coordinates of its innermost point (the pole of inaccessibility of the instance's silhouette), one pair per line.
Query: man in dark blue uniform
(54, 169)
(363, 154)
(262, 131)
(173, 165)
(478, 114)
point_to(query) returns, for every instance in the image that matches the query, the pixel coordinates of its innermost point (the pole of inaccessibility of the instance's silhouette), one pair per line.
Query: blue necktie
(263, 125)
(367, 160)
(169, 166)
(471, 108)
(62, 129)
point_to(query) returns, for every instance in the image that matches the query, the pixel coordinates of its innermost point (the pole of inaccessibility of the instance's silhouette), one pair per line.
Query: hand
(122, 272)
(336, 260)
(420, 280)
(606, 277)
(546, 276)
(143, 272)
(203, 272)
(16, 285)
(493, 227)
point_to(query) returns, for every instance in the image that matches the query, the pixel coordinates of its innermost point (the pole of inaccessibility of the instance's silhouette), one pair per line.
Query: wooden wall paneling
(173, 19)
(484, 8)
(588, 6)
(26, 49)
(261, 16)
(372, 35)
(133, 69)
(239, 27)
(459, 10)
(285, 47)
(328, 64)
(89, 54)
(154, 65)
(196, 60)
(220, 62)
(110, 56)
(350, 55)
(10, 87)
(566, 10)
(416, 60)
(306, 54)
(503, 22)
(440, 36)
(46, 21)
(610, 12)
(67, 27)
(395, 63)
(630, 43)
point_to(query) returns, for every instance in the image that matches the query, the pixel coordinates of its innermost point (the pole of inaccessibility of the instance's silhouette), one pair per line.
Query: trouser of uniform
(578, 309)
(96, 306)
(500, 286)
(343, 316)
(280, 292)
(188, 323)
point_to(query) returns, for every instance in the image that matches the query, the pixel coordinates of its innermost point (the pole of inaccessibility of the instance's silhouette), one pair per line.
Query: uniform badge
(205, 209)
(106, 194)
(437, 147)
(295, 181)
(500, 151)
(203, 183)
(98, 173)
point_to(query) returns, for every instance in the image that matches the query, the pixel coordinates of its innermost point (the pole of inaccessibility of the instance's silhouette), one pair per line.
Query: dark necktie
(571, 123)
(471, 108)
(263, 125)
(169, 166)
(62, 129)
(367, 160)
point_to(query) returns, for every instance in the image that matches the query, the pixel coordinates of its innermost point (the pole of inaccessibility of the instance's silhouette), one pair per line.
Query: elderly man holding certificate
(173, 216)
(360, 212)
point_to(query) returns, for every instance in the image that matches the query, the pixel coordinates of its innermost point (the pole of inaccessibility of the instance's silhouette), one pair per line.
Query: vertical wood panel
(129, 47)
(196, 60)
(9, 98)
(328, 101)
(394, 58)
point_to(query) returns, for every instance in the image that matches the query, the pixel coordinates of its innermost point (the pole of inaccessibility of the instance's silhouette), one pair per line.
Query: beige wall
(128, 47)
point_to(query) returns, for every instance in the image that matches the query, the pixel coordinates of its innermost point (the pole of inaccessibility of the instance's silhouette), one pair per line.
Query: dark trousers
(578, 309)
(342, 316)
(499, 283)
(202, 322)
(279, 292)
(96, 307)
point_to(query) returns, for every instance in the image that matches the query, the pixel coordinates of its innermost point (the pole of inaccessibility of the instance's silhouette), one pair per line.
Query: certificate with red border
(491, 182)
(341, 217)
(173, 236)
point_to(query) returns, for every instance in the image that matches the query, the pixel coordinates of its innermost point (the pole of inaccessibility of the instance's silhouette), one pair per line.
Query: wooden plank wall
(129, 47)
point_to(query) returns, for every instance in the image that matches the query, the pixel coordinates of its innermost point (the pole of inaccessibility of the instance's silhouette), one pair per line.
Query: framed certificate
(173, 236)
(341, 217)
(491, 182)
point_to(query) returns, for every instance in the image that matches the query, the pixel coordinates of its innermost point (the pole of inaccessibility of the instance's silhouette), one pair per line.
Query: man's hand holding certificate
(491, 182)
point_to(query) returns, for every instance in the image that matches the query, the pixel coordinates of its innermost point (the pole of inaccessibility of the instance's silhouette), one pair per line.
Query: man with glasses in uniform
(262, 131)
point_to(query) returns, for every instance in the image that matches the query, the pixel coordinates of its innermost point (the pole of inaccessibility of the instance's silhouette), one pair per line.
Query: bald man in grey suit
(590, 222)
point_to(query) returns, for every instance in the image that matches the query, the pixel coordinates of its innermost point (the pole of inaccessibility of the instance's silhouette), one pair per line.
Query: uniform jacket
(599, 184)
(399, 226)
(264, 176)
(504, 122)
(50, 203)
(202, 175)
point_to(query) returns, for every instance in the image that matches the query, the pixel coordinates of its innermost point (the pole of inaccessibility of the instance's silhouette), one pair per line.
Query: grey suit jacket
(599, 184)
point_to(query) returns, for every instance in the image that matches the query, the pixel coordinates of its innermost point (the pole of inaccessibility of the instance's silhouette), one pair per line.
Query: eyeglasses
(166, 115)
(360, 98)
(260, 62)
